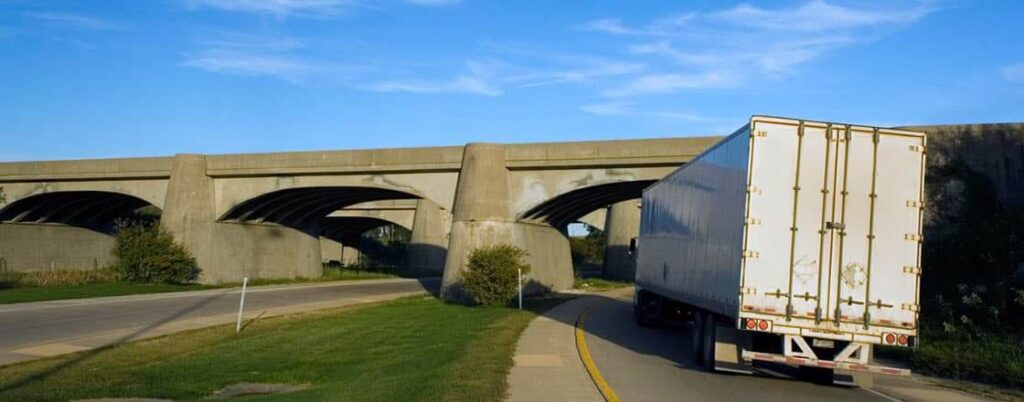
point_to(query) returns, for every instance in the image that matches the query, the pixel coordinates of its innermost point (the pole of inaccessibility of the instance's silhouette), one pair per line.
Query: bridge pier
(482, 216)
(228, 252)
(428, 244)
(331, 250)
(188, 211)
(621, 224)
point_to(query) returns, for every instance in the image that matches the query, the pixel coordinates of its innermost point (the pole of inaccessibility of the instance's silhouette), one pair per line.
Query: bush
(147, 253)
(491, 273)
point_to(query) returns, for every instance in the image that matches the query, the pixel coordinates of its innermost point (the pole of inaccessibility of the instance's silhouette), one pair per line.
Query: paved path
(33, 330)
(642, 364)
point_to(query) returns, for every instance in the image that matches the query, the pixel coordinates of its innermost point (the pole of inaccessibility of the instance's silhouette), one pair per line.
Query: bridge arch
(568, 207)
(307, 207)
(342, 240)
(64, 229)
(95, 210)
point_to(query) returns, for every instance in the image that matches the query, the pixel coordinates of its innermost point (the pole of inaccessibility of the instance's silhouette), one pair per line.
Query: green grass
(991, 359)
(599, 284)
(330, 274)
(40, 293)
(406, 350)
(45, 293)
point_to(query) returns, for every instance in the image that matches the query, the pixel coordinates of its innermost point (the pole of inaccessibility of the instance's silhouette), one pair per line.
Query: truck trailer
(793, 242)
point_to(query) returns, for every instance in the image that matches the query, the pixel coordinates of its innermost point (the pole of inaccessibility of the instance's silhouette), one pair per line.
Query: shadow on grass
(84, 356)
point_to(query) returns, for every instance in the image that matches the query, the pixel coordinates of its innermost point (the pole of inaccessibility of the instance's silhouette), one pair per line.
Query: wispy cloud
(631, 109)
(249, 64)
(1014, 73)
(251, 55)
(493, 77)
(478, 80)
(669, 83)
(75, 21)
(729, 47)
(281, 8)
(817, 16)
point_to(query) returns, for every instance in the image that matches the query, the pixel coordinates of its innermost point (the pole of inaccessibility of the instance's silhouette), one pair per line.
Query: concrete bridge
(280, 215)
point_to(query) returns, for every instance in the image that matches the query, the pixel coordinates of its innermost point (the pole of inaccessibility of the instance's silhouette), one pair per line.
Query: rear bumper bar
(828, 364)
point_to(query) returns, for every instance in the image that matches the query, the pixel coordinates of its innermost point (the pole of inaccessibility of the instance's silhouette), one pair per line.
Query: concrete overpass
(266, 215)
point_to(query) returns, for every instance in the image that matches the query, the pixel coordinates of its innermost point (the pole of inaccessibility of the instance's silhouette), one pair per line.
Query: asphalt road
(643, 364)
(33, 330)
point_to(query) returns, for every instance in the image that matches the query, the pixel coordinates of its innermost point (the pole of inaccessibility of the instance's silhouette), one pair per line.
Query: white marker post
(241, 306)
(519, 272)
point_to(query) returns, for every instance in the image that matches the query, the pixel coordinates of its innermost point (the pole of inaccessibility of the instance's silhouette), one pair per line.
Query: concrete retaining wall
(38, 247)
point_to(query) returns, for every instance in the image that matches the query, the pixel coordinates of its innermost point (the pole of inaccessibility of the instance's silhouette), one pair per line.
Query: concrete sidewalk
(547, 363)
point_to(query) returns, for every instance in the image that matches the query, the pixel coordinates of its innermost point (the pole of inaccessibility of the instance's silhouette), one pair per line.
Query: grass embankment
(991, 359)
(35, 293)
(410, 349)
(599, 284)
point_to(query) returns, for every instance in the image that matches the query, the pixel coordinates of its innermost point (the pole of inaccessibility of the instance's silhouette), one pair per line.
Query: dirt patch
(246, 389)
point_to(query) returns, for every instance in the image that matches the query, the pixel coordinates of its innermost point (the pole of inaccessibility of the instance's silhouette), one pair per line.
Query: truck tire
(708, 343)
(697, 338)
(647, 309)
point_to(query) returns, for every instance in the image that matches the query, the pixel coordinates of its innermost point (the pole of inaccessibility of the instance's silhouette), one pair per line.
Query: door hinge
(911, 307)
(914, 237)
(753, 190)
(760, 133)
(912, 270)
(915, 204)
(918, 148)
(748, 291)
(753, 221)
(751, 254)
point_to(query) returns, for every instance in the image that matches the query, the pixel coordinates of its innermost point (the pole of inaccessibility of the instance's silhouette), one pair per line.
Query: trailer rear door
(833, 224)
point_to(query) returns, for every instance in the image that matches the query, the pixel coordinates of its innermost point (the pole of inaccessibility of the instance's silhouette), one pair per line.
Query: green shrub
(147, 253)
(492, 273)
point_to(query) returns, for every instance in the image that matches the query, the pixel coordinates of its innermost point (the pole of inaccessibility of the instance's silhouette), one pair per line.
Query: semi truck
(790, 242)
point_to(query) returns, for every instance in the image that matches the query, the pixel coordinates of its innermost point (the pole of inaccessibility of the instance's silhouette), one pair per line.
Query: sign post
(519, 273)
(241, 305)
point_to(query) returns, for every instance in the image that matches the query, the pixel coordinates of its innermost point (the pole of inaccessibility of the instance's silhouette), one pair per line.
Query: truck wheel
(708, 355)
(647, 310)
(697, 338)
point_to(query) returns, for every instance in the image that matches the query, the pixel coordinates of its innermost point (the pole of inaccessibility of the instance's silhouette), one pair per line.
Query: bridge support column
(428, 245)
(189, 210)
(330, 250)
(621, 225)
(483, 217)
(350, 254)
(227, 252)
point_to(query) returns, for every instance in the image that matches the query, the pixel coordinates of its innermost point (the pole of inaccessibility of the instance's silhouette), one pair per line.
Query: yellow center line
(588, 361)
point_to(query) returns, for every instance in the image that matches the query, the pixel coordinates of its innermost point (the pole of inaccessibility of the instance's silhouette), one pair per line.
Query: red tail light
(763, 325)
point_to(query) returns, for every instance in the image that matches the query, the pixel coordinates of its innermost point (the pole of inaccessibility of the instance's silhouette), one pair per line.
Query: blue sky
(86, 79)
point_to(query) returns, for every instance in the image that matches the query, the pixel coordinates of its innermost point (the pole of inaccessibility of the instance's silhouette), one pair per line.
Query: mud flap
(729, 345)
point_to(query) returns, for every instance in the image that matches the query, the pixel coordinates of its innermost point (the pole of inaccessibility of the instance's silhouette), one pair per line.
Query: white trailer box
(792, 227)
